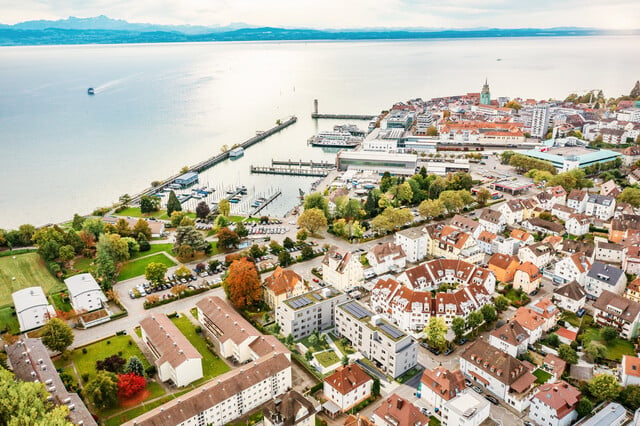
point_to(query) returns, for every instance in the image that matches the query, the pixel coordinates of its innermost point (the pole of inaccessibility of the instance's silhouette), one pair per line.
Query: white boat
(334, 138)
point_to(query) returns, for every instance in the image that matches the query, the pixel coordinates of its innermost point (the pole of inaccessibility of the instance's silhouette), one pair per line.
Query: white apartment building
(413, 242)
(492, 221)
(32, 308)
(571, 268)
(386, 256)
(604, 277)
(540, 120)
(540, 254)
(84, 293)
(466, 409)
(512, 211)
(348, 386)
(555, 404)
(570, 297)
(577, 224)
(577, 200)
(343, 271)
(608, 252)
(440, 385)
(393, 351)
(600, 206)
(618, 312)
(511, 338)
(300, 316)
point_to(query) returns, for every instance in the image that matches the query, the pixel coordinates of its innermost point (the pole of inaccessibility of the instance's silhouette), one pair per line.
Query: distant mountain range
(104, 30)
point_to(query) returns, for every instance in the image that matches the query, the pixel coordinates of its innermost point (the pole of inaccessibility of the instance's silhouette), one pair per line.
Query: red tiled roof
(346, 379)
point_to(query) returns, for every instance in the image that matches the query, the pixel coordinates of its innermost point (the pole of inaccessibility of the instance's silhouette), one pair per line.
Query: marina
(290, 171)
(261, 203)
(300, 163)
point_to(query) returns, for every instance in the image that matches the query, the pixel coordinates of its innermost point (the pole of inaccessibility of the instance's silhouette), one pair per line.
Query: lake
(160, 107)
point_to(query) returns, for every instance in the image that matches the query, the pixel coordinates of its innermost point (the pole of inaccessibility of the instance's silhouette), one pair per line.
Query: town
(465, 261)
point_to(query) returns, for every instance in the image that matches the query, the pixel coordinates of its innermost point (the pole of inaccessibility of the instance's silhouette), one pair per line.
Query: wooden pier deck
(300, 163)
(290, 171)
(268, 201)
(343, 116)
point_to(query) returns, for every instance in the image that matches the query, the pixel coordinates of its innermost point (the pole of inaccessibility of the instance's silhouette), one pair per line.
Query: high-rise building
(540, 120)
(485, 95)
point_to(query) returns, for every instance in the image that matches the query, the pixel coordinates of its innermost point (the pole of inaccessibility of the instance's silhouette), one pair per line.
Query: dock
(212, 161)
(300, 163)
(257, 210)
(316, 115)
(290, 171)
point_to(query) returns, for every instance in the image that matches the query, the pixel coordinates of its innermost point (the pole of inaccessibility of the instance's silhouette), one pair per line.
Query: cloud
(341, 13)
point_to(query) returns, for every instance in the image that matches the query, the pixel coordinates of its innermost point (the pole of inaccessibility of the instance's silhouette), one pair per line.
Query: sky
(334, 14)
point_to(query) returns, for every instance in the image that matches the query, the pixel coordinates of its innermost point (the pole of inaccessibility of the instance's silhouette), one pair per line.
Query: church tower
(485, 96)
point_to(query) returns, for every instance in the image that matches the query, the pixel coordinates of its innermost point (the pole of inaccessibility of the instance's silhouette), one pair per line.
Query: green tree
(608, 334)
(431, 208)
(227, 239)
(316, 200)
(371, 204)
(313, 220)
(94, 226)
(56, 335)
(192, 237)
(604, 387)
(302, 235)
(176, 217)
(241, 230)
(501, 303)
(630, 195)
(105, 269)
(405, 193)
(26, 403)
(67, 253)
(505, 157)
(391, 219)
(155, 272)
(345, 360)
(552, 340)
(458, 327)
(288, 243)
(306, 252)
(437, 185)
(482, 196)
(187, 221)
(584, 407)
(432, 131)
(594, 351)
(135, 366)
(149, 204)
(436, 331)
(141, 230)
(284, 258)
(513, 104)
(224, 207)
(459, 180)
(173, 205)
(115, 246)
(630, 397)
(308, 355)
(474, 320)
(102, 390)
(122, 228)
(489, 313)
(568, 354)
(202, 210)
(77, 222)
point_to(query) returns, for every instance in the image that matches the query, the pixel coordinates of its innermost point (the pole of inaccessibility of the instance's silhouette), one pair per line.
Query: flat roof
(81, 283)
(466, 401)
(513, 185)
(378, 155)
(574, 153)
(28, 298)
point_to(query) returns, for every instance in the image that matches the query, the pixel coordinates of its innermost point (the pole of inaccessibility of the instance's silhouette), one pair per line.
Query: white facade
(604, 277)
(538, 254)
(540, 120)
(342, 271)
(543, 414)
(571, 300)
(577, 225)
(85, 293)
(571, 268)
(386, 256)
(512, 212)
(351, 398)
(32, 308)
(414, 243)
(600, 206)
(466, 409)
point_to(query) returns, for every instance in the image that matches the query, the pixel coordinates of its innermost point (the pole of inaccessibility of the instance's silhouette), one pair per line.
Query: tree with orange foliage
(179, 289)
(242, 284)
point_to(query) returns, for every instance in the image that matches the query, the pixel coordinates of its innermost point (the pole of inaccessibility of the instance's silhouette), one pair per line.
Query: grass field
(212, 365)
(8, 321)
(615, 349)
(160, 214)
(29, 270)
(542, 376)
(319, 346)
(327, 358)
(84, 264)
(136, 268)
(155, 248)
(59, 303)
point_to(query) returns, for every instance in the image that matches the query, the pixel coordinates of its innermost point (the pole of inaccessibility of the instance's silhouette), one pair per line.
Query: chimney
(399, 403)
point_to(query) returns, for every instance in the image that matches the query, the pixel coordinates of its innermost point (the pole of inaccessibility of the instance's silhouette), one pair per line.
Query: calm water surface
(160, 107)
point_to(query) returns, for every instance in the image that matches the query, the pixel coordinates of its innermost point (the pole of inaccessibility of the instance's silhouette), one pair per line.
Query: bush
(150, 370)
(84, 350)
(144, 245)
(198, 329)
(85, 377)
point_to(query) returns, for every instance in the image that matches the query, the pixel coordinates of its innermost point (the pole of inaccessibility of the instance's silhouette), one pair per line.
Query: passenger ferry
(333, 138)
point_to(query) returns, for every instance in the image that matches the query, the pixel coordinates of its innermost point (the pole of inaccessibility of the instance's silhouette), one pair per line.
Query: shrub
(84, 350)
(130, 384)
(198, 329)
(85, 377)
(150, 370)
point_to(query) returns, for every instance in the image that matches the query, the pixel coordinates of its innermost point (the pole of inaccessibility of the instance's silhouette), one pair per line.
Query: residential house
(562, 212)
(467, 408)
(85, 295)
(503, 266)
(290, 409)
(631, 259)
(618, 312)
(492, 221)
(554, 404)
(432, 274)
(347, 386)
(29, 360)
(634, 177)
(570, 297)
(608, 252)
(577, 200)
(527, 277)
(175, 358)
(624, 227)
(467, 224)
(440, 385)
(343, 271)
(567, 335)
(540, 254)
(512, 211)
(157, 227)
(532, 322)
(32, 308)
(504, 245)
(413, 242)
(547, 310)
(577, 224)
(281, 285)
(301, 315)
(570, 247)
(601, 207)
(397, 411)
(500, 373)
(632, 292)
(444, 241)
(535, 224)
(386, 256)
(610, 189)
(511, 338)
(529, 206)
(603, 277)
(393, 351)
(571, 268)
(630, 155)
(630, 370)
(554, 365)
(523, 236)
(485, 241)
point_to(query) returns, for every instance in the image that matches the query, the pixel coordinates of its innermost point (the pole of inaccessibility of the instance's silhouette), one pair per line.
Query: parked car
(492, 399)
(425, 411)
(449, 351)
(468, 383)
(580, 312)
(477, 389)
(534, 292)
(462, 341)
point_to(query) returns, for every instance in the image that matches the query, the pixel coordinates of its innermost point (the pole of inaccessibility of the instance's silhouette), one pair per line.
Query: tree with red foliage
(243, 283)
(130, 384)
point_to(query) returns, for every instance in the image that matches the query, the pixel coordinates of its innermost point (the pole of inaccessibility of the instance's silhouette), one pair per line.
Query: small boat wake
(111, 84)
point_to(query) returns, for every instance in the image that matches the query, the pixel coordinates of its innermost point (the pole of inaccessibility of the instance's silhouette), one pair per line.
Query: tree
(458, 327)
(375, 387)
(371, 204)
(594, 351)
(302, 235)
(241, 230)
(284, 258)
(176, 218)
(630, 195)
(56, 335)
(192, 237)
(102, 390)
(224, 207)
(308, 355)
(202, 210)
(243, 283)
(513, 104)
(604, 387)
(105, 268)
(432, 131)
(489, 313)
(482, 196)
(67, 253)
(173, 205)
(431, 208)
(505, 157)
(227, 239)
(584, 407)
(184, 252)
(114, 364)
(306, 252)
(114, 246)
(474, 320)
(501, 303)
(130, 384)
(316, 200)
(404, 193)
(177, 290)
(313, 220)
(568, 354)
(391, 219)
(436, 331)
(26, 403)
(630, 397)
(149, 204)
(122, 228)
(77, 222)
(141, 230)
(459, 180)
(608, 334)
(345, 360)
(155, 272)
(552, 340)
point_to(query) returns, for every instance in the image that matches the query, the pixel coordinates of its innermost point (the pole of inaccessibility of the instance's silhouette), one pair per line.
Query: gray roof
(605, 273)
(610, 414)
(81, 283)
(624, 309)
(28, 298)
(600, 199)
(572, 290)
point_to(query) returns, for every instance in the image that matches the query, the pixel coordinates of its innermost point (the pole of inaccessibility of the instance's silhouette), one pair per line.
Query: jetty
(212, 161)
(290, 171)
(300, 163)
(316, 115)
(264, 204)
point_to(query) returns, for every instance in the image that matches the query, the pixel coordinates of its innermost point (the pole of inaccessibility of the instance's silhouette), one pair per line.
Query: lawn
(8, 321)
(135, 212)
(212, 365)
(83, 264)
(571, 318)
(137, 267)
(319, 346)
(155, 248)
(542, 376)
(28, 270)
(346, 350)
(514, 297)
(615, 349)
(327, 358)
(59, 303)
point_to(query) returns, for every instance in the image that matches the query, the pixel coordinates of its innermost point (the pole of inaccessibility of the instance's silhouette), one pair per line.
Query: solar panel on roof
(300, 302)
(356, 310)
(391, 331)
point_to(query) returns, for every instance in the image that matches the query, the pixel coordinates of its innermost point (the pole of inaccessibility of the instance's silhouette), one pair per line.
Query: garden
(22, 271)
(136, 267)
(615, 347)
(542, 376)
